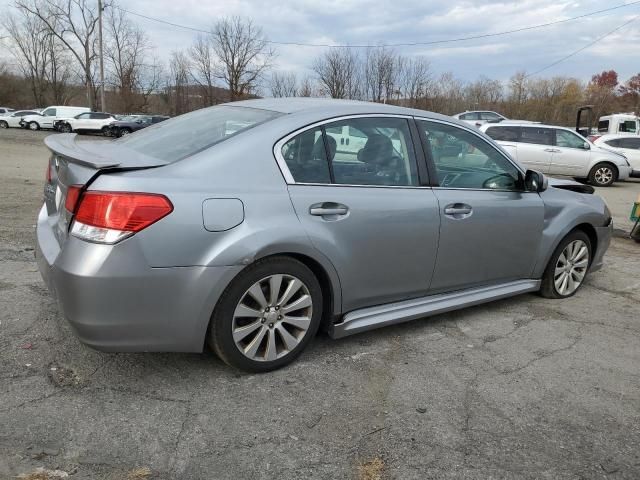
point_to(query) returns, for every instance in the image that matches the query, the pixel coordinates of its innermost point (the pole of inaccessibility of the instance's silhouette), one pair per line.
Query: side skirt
(399, 312)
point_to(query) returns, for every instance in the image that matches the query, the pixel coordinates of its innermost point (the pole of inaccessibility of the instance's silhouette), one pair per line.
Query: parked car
(51, 115)
(619, 123)
(87, 122)
(479, 117)
(560, 151)
(626, 144)
(184, 234)
(130, 125)
(12, 120)
(6, 110)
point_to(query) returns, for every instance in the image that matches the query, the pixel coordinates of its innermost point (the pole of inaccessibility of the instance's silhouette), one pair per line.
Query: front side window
(464, 160)
(630, 143)
(628, 126)
(569, 140)
(490, 116)
(49, 112)
(505, 134)
(83, 116)
(470, 116)
(537, 135)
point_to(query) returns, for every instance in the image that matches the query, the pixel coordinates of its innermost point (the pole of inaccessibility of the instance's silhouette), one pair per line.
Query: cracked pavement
(520, 388)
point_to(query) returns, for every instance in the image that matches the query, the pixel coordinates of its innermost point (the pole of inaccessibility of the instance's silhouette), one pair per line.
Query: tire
(34, 126)
(124, 131)
(105, 132)
(254, 351)
(603, 174)
(574, 270)
(3, 124)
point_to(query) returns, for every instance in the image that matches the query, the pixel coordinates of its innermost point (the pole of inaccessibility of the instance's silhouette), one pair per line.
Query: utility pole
(103, 106)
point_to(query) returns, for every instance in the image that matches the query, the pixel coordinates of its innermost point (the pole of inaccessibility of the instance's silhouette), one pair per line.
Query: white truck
(619, 123)
(50, 116)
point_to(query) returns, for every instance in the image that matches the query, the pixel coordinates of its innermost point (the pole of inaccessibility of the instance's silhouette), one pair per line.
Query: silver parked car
(560, 151)
(250, 225)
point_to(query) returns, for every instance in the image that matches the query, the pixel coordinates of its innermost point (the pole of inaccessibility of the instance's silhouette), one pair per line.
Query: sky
(370, 22)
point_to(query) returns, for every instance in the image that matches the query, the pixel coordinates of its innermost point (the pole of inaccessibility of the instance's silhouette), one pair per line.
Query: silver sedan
(249, 226)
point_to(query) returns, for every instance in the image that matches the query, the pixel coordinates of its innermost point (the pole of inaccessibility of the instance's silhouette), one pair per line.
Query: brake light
(108, 217)
(73, 194)
(48, 175)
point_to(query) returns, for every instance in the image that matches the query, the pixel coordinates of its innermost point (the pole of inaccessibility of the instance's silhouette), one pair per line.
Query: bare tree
(243, 55)
(74, 23)
(306, 88)
(178, 83)
(448, 95)
(484, 93)
(413, 79)
(284, 84)
(379, 73)
(337, 71)
(204, 68)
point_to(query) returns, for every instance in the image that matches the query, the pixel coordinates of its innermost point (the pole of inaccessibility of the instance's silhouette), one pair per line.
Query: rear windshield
(180, 137)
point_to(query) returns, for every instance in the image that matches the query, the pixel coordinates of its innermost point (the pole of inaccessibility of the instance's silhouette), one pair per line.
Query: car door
(48, 116)
(535, 148)
(490, 226)
(82, 122)
(368, 212)
(570, 157)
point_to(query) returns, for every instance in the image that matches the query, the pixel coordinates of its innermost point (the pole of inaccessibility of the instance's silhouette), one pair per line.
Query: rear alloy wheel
(34, 126)
(65, 128)
(105, 132)
(568, 267)
(603, 175)
(3, 124)
(267, 316)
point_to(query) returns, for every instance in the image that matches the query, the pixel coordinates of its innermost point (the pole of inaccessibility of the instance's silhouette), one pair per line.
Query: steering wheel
(501, 181)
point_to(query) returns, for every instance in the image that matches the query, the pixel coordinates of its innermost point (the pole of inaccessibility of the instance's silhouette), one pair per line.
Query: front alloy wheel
(571, 267)
(34, 126)
(267, 315)
(603, 175)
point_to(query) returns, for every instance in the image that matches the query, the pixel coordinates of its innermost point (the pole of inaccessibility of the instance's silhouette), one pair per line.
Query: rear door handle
(328, 208)
(552, 150)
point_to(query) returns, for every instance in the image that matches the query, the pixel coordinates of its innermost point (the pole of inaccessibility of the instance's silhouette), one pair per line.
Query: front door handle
(458, 210)
(328, 209)
(552, 150)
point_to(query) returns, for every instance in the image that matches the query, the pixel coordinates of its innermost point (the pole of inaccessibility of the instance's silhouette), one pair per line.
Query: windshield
(182, 136)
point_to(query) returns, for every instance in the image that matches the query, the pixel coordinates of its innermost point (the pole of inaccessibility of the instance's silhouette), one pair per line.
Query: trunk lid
(79, 163)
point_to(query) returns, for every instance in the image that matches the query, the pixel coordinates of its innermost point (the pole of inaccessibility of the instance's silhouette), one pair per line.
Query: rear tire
(603, 174)
(105, 132)
(34, 126)
(124, 131)
(267, 315)
(3, 124)
(568, 262)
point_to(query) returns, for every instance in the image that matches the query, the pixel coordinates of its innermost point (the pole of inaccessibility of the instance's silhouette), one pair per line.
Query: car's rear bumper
(115, 302)
(624, 173)
(635, 173)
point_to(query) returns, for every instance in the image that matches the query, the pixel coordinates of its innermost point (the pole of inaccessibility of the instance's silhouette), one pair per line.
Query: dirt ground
(521, 388)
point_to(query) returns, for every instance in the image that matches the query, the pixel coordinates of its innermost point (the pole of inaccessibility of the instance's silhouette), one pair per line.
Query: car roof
(331, 107)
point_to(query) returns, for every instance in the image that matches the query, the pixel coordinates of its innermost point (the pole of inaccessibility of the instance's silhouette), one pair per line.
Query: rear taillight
(108, 217)
(73, 194)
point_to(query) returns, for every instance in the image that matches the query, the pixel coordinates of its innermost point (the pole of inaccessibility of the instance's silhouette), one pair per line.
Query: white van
(50, 116)
(619, 123)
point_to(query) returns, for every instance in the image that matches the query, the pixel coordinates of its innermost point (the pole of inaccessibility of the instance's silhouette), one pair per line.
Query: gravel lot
(521, 388)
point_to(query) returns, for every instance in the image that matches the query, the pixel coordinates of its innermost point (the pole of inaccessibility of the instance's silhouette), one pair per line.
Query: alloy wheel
(4, 124)
(571, 267)
(33, 126)
(603, 175)
(272, 317)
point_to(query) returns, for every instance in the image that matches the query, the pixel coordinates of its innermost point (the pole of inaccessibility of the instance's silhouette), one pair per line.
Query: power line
(553, 64)
(408, 44)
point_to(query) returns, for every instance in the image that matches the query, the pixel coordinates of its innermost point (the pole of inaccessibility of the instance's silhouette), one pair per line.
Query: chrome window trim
(284, 168)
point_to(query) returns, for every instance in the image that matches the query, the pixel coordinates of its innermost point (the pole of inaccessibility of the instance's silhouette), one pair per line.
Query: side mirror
(535, 181)
(586, 146)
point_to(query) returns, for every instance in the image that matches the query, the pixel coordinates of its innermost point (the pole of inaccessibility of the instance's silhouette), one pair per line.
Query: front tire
(567, 267)
(3, 124)
(267, 315)
(34, 126)
(124, 131)
(603, 175)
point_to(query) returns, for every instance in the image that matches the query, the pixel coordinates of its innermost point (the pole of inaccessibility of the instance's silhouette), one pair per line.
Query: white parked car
(12, 120)
(559, 151)
(50, 116)
(626, 144)
(5, 111)
(478, 118)
(86, 122)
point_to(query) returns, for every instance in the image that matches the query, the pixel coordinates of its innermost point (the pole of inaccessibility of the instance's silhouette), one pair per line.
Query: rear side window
(490, 116)
(358, 151)
(603, 126)
(506, 134)
(182, 136)
(470, 116)
(628, 126)
(539, 136)
(613, 143)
